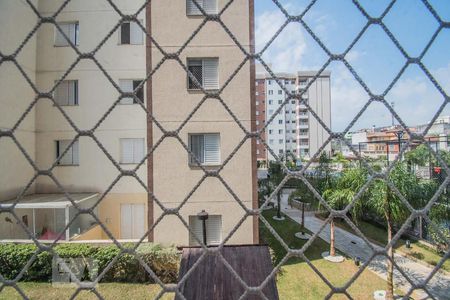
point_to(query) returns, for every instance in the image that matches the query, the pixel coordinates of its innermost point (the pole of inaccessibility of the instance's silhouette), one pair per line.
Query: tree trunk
(332, 250)
(390, 265)
(279, 205)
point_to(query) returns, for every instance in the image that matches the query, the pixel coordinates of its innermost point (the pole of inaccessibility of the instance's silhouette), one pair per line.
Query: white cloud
(287, 51)
(416, 99)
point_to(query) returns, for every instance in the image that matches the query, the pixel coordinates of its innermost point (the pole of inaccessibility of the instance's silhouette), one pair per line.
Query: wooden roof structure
(211, 279)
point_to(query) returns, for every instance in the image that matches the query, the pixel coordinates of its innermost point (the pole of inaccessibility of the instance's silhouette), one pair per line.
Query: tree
(324, 172)
(342, 194)
(387, 204)
(275, 177)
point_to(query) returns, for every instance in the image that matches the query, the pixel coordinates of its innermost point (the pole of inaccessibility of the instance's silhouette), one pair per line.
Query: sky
(374, 57)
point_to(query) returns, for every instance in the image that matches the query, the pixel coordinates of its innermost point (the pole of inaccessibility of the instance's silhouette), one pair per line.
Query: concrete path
(354, 246)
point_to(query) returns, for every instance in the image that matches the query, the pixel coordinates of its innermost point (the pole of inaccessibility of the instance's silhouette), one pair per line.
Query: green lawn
(298, 281)
(417, 250)
(119, 291)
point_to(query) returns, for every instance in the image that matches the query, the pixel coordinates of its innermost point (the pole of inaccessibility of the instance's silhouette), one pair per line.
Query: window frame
(192, 162)
(119, 42)
(77, 34)
(197, 13)
(121, 152)
(76, 92)
(202, 59)
(134, 99)
(75, 162)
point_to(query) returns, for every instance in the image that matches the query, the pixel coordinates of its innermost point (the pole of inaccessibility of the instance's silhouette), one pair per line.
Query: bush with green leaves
(163, 261)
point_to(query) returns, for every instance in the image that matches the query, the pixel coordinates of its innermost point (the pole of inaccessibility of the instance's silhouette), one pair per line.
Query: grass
(298, 281)
(417, 250)
(41, 290)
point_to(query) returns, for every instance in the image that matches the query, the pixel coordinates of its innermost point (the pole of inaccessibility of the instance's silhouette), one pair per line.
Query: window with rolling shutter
(213, 230)
(129, 86)
(71, 30)
(205, 71)
(71, 157)
(130, 33)
(66, 93)
(132, 150)
(206, 148)
(209, 6)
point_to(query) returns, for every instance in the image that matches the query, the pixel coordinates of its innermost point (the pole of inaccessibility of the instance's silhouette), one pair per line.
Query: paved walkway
(355, 246)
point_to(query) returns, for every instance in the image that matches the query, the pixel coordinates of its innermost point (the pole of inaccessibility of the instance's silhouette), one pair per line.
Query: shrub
(163, 261)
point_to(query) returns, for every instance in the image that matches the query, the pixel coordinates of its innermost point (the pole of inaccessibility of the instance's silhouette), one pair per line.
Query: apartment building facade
(292, 130)
(126, 133)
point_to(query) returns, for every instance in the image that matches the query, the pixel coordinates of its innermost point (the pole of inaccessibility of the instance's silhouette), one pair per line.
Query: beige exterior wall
(172, 103)
(16, 95)
(173, 178)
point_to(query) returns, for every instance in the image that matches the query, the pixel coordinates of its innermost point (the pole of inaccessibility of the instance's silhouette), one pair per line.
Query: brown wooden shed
(211, 279)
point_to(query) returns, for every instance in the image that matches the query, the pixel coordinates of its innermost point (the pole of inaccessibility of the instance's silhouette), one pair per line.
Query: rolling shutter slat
(127, 87)
(192, 9)
(214, 230)
(210, 74)
(135, 34)
(212, 149)
(127, 151)
(196, 227)
(210, 6)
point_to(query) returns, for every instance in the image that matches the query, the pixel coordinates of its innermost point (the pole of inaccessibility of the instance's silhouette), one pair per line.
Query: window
(280, 151)
(270, 112)
(270, 92)
(131, 150)
(71, 30)
(71, 157)
(257, 94)
(257, 102)
(287, 122)
(286, 81)
(280, 141)
(130, 34)
(206, 148)
(213, 230)
(293, 111)
(209, 6)
(280, 92)
(66, 93)
(280, 121)
(206, 71)
(270, 102)
(293, 102)
(129, 86)
(257, 122)
(280, 131)
(257, 142)
(269, 82)
(271, 142)
(293, 131)
(270, 131)
(257, 151)
(280, 101)
(257, 112)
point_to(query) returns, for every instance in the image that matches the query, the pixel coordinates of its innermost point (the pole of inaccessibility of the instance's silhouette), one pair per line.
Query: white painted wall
(16, 96)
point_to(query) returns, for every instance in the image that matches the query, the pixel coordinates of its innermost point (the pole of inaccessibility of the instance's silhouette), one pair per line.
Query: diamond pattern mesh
(249, 56)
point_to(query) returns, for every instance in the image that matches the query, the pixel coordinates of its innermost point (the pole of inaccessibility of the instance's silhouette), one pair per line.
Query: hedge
(163, 261)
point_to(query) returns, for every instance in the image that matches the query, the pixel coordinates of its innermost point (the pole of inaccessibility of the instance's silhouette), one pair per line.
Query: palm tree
(343, 192)
(387, 204)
